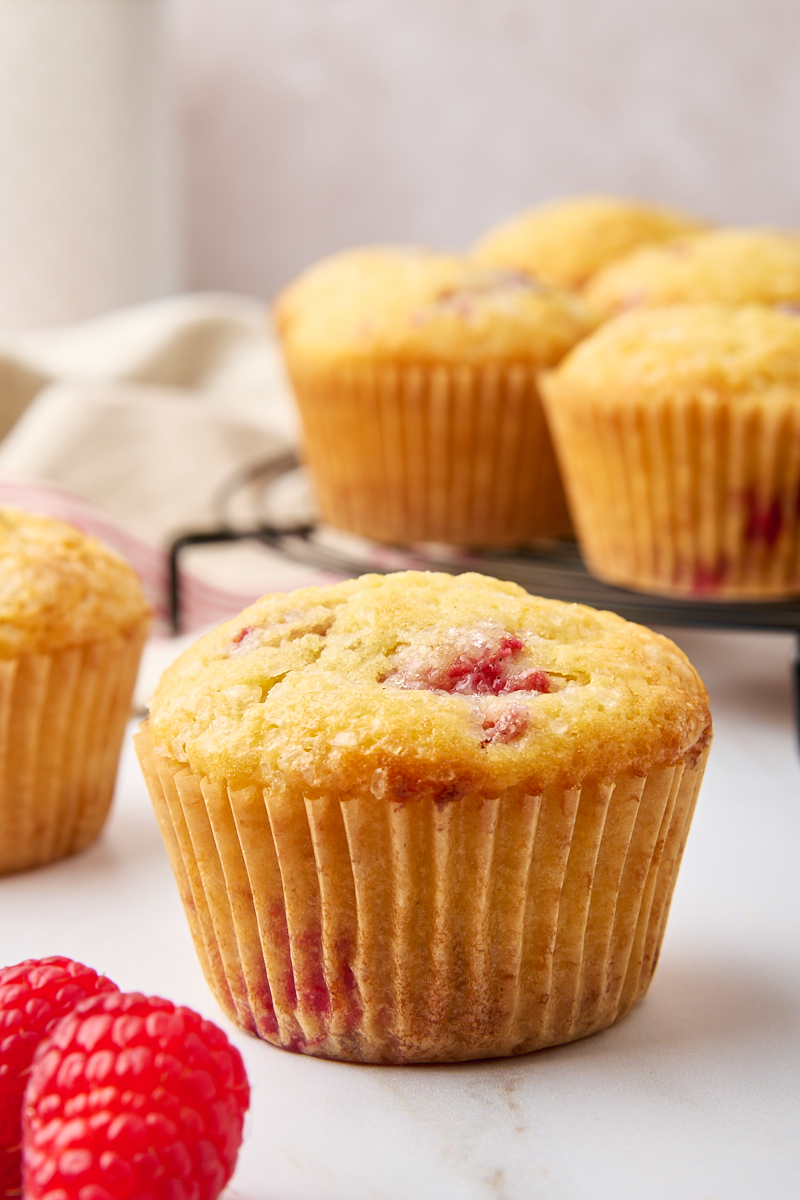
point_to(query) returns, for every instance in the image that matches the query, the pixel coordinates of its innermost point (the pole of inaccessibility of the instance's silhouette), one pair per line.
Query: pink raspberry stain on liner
(345, 956)
(763, 524)
(264, 1018)
(313, 990)
(706, 580)
(279, 932)
(310, 987)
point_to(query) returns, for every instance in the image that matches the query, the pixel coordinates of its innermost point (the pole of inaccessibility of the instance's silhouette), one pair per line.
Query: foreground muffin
(566, 242)
(72, 624)
(418, 818)
(730, 266)
(678, 432)
(415, 375)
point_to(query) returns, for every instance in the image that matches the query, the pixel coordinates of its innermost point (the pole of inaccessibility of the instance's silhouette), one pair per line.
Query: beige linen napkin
(146, 411)
(145, 414)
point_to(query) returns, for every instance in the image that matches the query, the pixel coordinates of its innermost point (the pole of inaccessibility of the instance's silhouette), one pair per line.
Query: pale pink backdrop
(307, 125)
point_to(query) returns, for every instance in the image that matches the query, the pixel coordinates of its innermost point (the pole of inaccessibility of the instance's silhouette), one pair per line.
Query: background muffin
(415, 374)
(567, 242)
(731, 266)
(422, 818)
(678, 432)
(72, 624)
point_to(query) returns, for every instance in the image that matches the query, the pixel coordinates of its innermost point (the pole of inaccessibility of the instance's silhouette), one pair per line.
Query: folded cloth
(131, 424)
(153, 458)
(146, 412)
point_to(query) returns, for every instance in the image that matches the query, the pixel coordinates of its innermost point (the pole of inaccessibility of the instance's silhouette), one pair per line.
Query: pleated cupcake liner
(686, 499)
(415, 453)
(62, 720)
(362, 929)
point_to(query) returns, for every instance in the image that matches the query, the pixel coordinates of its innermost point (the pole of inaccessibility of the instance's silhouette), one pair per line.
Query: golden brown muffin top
(690, 351)
(60, 588)
(729, 266)
(416, 306)
(420, 683)
(568, 241)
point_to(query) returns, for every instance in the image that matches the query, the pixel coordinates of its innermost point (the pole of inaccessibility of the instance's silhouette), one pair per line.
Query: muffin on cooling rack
(73, 620)
(568, 241)
(678, 432)
(415, 375)
(729, 266)
(419, 818)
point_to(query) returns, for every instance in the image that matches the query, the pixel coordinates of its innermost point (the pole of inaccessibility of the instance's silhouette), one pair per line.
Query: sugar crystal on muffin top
(422, 682)
(405, 304)
(59, 587)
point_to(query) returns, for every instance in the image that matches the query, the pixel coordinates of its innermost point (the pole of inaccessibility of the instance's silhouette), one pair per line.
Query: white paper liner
(415, 453)
(686, 498)
(366, 930)
(62, 719)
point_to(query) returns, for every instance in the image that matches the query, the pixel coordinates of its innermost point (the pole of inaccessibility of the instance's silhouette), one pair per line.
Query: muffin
(678, 431)
(415, 375)
(729, 266)
(566, 242)
(72, 625)
(419, 818)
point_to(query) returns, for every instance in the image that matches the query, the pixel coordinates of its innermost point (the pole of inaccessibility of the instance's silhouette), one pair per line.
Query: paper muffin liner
(416, 453)
(362, 929)
(699, 498)
(62, 720)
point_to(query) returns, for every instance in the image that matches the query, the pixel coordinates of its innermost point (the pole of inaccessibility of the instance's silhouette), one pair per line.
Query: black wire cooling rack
(554, 570)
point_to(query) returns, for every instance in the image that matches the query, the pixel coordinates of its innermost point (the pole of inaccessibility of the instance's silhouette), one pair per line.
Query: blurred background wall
(307, 125)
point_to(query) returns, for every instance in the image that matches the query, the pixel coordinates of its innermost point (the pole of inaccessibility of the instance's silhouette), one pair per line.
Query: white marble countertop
(694, 1096)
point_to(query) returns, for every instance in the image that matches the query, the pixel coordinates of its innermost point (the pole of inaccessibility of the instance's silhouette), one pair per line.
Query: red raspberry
(34, 996)
(132, 1098)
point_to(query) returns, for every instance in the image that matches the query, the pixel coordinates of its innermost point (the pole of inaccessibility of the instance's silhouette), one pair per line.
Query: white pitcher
(88, 189)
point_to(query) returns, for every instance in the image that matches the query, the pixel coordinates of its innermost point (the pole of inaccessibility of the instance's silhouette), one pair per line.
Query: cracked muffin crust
(409, 681)
(419, 818)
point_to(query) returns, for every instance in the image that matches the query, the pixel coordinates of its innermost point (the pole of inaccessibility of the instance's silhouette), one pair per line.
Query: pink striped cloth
(202, 604)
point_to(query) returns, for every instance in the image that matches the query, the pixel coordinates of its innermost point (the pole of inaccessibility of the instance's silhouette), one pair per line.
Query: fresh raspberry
(132, 1098)
(34, 996)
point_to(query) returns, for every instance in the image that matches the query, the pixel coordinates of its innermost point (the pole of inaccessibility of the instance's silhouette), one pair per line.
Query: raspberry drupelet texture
(133, 1098)
(34, 996)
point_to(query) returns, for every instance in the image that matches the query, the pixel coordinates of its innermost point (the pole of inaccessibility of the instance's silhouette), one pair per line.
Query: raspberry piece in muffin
(484, 660)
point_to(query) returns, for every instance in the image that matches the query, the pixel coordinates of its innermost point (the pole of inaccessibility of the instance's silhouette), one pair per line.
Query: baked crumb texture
(678, 433)
(73, 621)
(415, 375)
(418, 818)
(726, 266)
(60, 588)
(567, 242)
